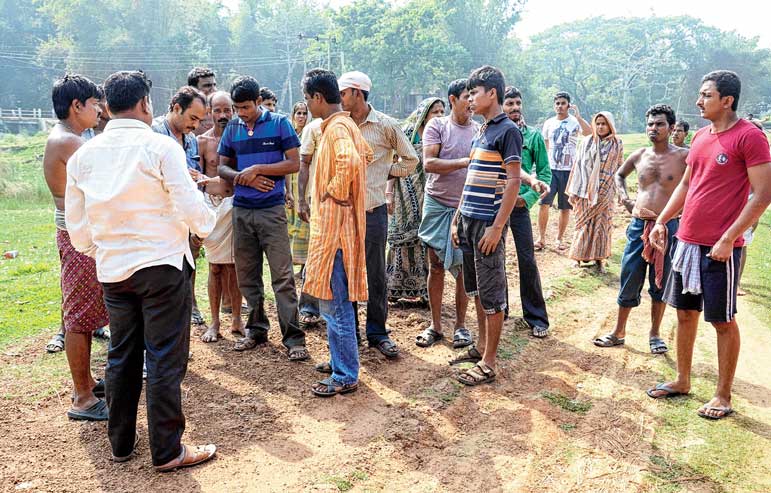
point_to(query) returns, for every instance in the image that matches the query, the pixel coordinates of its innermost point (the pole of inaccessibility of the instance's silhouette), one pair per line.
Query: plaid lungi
(83, 309)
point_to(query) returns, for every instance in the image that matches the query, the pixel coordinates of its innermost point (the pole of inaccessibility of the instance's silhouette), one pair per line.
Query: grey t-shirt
(455, 141)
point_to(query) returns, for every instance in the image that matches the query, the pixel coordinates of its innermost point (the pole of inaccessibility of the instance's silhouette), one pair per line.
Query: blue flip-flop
(669, 392)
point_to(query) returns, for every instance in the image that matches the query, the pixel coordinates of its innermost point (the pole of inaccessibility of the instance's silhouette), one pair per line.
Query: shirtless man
(76, 103)
(219, 244)
(659, 170)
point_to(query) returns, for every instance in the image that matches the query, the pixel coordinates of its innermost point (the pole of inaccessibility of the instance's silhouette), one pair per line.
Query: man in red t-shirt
(726, 159)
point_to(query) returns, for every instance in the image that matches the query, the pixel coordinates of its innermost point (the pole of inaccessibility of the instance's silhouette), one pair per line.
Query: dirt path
(562, 416)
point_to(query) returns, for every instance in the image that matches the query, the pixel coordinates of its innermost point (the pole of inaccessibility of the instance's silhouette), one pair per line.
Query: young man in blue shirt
(257, 150)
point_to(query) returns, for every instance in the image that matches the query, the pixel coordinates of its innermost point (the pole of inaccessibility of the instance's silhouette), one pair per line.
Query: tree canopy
(410, 50)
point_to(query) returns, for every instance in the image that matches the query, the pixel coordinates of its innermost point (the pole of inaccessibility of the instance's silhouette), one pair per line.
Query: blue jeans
(634, 268)
(341, 327)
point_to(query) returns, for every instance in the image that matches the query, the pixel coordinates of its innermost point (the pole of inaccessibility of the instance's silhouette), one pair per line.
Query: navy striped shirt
(497, 145)
(273, 136)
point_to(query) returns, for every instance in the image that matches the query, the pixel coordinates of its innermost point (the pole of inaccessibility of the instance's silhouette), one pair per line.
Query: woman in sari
(299, 230)
(591, 190)
(407, 266)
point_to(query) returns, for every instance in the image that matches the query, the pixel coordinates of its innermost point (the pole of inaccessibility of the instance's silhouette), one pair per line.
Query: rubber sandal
(102, 333)
(196, 318)
(324, 367)
(476, 375)
(387, 348)
(658, 346)
(428, 337)
(608, 340)
(540, 332)
(190, 456)
(56, 343)
(462, 338)
(245, 344)
(470, 355)
(97, 412)
(298, 353)
(669, 392)
(727, 411)
(333, 387)
(99, 389)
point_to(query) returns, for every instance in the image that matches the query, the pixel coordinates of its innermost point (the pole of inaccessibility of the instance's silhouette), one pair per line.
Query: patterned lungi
(83, 308)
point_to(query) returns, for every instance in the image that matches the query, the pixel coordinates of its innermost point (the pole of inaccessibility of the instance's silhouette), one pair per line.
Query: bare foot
(539, 245)
(741, 292)
(237, 327)
(561, 246)
(212, 334)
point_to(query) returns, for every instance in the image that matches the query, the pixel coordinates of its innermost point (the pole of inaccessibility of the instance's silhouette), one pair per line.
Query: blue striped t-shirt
(273, 136)
(497, 144)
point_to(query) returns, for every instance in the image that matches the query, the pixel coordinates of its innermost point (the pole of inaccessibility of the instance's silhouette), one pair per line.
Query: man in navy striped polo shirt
(489, 195)
(257, 150)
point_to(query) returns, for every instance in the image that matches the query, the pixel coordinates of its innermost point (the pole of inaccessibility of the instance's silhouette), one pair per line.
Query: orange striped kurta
(343, 157)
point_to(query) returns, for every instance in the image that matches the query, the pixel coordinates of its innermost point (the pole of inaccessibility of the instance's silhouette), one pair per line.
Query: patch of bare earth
(409, 427)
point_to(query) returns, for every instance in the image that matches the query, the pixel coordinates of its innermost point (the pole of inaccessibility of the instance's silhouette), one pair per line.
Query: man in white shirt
(130, 203)
(560, 133)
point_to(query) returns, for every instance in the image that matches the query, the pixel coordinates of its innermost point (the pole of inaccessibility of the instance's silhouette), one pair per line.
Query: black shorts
(559, 182)
(483, 275)
(719, 281)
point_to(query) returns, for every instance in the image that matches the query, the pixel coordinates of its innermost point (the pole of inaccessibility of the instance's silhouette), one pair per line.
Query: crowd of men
(137, 198)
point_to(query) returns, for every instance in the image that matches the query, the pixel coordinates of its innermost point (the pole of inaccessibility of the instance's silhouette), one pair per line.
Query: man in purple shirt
(446, 149)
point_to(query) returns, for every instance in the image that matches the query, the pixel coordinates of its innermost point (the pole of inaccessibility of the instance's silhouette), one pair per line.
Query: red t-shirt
(719, 184)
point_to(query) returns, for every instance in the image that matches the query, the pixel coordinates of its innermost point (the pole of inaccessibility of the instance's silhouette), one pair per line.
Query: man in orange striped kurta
(336, 271)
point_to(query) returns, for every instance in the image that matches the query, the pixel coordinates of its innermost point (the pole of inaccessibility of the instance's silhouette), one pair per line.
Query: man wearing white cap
(386, 139)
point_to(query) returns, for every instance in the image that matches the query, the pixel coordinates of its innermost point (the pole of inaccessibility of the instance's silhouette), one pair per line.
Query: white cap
(354, 80)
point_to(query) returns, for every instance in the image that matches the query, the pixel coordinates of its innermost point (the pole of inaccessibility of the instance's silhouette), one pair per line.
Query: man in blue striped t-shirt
(489, 195)
(257, 150)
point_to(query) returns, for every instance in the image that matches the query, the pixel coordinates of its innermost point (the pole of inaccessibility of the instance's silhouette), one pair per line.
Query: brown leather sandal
(190, 456)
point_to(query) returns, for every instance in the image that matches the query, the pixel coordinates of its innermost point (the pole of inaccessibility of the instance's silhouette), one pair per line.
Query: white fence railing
(26, 113)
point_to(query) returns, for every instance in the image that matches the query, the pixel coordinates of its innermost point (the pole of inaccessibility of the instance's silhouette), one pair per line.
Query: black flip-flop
(428, 337)
(664, 387)
(97, 412)
(608, 340)
(324, 367)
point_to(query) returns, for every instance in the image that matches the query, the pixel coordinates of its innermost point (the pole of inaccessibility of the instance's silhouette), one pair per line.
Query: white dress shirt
(130, 202)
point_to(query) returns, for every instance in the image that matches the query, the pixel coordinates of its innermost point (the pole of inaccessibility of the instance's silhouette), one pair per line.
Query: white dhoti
(219, 244)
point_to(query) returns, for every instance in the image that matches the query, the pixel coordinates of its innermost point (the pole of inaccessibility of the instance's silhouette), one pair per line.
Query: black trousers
(533, 304)
(377, 287)
(148, 311)
(260, 233)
